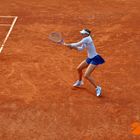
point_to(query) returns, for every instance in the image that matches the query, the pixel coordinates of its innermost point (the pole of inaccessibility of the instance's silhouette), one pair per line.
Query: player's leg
(87, 75)
(88, 72)
(80, 68)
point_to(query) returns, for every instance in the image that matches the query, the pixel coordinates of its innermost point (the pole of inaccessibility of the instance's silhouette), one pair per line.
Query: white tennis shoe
(98, 91)
(78, 83)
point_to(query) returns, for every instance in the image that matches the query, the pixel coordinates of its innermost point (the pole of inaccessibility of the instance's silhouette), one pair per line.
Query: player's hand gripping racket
(56, 37)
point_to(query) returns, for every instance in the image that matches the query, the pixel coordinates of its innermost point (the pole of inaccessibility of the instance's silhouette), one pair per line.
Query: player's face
(84, 35)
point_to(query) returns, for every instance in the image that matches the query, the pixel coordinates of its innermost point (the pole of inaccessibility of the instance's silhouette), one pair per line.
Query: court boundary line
(6, 25)
(8, 16)
(9, 31)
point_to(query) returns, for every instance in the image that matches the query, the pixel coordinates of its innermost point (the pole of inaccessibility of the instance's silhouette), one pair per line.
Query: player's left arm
(74, 45)
(79, 48)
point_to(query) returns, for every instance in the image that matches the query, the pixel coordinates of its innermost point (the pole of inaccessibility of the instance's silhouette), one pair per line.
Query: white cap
(84, 32)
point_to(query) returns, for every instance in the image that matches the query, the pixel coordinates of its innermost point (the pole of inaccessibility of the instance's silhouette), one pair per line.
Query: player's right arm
(77, 46)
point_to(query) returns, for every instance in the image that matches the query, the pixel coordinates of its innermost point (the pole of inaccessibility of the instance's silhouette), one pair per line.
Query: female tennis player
(91, 62)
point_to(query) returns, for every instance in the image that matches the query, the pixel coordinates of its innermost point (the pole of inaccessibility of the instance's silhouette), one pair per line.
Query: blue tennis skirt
(95, 60)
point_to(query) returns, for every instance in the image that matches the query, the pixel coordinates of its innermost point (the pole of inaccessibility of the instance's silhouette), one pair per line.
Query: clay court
(37, 100)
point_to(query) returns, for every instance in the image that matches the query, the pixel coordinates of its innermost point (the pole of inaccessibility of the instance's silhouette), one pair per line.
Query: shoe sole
(79, 85)
(98, 95)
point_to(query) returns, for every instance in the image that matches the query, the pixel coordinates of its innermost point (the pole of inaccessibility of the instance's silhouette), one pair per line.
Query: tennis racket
(56, 37)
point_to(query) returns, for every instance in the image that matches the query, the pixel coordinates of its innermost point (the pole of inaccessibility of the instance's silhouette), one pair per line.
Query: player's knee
(78, 69)
(86, 76)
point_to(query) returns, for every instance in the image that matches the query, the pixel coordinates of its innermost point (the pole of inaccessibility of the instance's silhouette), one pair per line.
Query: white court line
(5, 24)
(8, 16)
(4, 41)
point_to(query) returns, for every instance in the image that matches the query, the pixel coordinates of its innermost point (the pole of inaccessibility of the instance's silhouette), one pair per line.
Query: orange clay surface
(37, 101)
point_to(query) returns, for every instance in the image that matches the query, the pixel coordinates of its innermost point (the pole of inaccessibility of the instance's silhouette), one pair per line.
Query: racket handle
(61, 42)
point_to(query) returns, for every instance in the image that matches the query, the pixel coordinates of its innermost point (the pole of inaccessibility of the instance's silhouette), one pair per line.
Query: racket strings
(55, 37)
